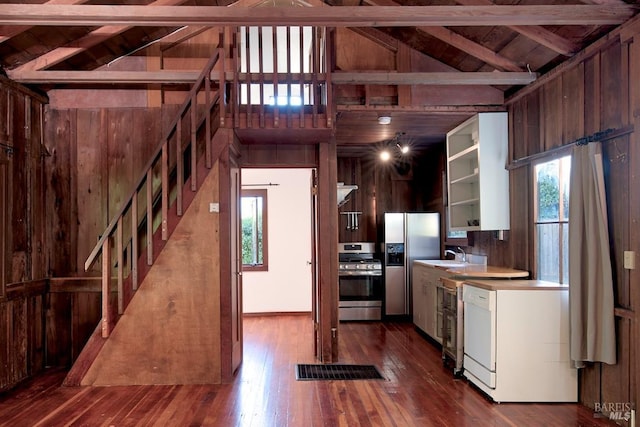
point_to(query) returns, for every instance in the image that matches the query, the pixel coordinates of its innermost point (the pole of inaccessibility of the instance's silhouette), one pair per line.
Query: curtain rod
(603, 136)
(7, 148)
(260, 185)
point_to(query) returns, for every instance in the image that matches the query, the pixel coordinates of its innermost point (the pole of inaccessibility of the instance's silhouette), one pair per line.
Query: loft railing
(175, 159)
(281, 72)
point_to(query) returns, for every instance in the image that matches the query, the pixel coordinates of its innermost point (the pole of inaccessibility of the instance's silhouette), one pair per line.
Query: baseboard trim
(278, 313)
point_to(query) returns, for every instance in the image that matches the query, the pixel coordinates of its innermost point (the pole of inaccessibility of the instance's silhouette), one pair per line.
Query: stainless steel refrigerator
(407, 237)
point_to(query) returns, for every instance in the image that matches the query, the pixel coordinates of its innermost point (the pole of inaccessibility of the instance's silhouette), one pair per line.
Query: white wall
(286, 287)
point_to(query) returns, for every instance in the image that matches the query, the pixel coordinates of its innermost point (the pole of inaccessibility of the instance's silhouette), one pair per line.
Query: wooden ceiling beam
(472, 48)
(6, 32)
(339, 78)
(340, 16)
(94, 38)
(454, 39)
(446, 78)
(536, 33)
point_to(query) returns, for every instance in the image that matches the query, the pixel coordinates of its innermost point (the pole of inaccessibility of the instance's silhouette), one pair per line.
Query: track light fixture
(387, 152)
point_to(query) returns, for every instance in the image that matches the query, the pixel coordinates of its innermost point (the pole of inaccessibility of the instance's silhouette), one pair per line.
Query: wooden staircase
(131, 245)
(136, 235)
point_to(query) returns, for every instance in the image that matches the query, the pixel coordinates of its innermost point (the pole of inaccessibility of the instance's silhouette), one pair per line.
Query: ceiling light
(384, 120)
(385, 155)
(404, 149)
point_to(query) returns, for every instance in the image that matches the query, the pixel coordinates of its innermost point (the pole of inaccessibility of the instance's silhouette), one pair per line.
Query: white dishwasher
(516, 340)
(480, 343)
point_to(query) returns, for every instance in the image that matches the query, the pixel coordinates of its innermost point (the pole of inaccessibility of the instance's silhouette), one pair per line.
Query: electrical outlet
(214, 207)
(629, 260)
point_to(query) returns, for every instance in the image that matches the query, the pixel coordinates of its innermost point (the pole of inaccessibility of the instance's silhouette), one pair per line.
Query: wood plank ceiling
(497, 43)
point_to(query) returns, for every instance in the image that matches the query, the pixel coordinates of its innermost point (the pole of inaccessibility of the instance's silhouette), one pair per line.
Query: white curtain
(591, 300)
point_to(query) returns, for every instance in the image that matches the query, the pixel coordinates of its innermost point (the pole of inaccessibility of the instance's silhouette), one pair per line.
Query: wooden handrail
(143, 176)
(161, 155)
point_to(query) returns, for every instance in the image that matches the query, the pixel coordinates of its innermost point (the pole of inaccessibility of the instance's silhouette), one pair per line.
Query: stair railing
(170, 158)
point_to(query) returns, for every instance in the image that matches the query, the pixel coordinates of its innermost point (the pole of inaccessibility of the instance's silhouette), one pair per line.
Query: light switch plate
(214, 207)
(630, 260)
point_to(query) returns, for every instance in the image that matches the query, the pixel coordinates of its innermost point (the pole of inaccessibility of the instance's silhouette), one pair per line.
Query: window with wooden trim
(551, 193)
(254, 230)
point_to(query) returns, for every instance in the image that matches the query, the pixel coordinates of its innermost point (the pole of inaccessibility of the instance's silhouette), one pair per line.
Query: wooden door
(317, 342)
(236, 268)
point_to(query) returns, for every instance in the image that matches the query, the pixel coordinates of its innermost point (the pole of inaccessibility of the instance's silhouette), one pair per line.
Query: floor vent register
(337, 372)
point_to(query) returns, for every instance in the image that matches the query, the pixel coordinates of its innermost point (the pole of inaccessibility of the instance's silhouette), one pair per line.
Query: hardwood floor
(417, 391)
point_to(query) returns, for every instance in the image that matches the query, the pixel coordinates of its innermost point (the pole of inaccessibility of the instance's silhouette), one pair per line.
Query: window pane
(548, 183)
(565, 253)
(565, 173)
(548, 252)
(252, 230)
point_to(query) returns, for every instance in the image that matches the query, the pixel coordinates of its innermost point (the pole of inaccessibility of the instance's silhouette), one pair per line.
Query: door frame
(322, 158)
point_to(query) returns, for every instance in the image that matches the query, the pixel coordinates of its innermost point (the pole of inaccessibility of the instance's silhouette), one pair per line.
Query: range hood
(344, 191)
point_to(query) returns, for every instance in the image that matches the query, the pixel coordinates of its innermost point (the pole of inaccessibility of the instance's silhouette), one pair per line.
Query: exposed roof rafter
(454, 39)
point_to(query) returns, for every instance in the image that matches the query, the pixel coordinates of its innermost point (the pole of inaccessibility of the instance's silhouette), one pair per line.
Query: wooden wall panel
(92, 203)
(551, 117)
(360, 172)
(59, 321)
(573, 100)
(20, 211)
(592, 95)
(633, 157)
(121, 133)
(612, 97)
(21, 334)
(59, 222)
(24, 245)
(615, 378)
(617, 183)
(598, 93)
(86, 314)
(279, 155)
(97, 154)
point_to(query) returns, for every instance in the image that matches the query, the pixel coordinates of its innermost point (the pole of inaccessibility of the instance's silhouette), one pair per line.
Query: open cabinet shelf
(478, 182)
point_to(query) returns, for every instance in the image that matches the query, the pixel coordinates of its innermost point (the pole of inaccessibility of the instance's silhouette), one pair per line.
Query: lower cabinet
(425, 282)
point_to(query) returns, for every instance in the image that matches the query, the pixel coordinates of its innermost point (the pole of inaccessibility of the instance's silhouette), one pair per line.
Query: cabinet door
(430, 314)
(418, 300)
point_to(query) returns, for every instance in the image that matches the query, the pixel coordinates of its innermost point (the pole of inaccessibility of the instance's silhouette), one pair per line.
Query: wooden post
(150, 216)
(194, 148)
(106, 285)
(134, 242)
(120, 255)
(179, 171)
(165, 190)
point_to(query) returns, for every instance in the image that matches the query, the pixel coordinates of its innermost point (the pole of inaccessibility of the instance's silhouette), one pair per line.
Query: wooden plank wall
(23, 253)
(95, 157)
(389, 188)
(592, 94)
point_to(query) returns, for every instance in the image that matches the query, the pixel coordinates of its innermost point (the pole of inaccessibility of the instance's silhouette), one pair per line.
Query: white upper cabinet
(478, 182)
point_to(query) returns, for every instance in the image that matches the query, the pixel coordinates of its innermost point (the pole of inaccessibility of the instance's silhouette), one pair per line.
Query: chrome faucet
(449, 251)
(464, 254)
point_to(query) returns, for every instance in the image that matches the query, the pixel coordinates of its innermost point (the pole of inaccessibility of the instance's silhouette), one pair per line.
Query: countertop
(480, 271)
(519, 284)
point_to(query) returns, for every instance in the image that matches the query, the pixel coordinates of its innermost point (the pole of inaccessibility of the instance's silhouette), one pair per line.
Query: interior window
(254, 230)
(552, 219)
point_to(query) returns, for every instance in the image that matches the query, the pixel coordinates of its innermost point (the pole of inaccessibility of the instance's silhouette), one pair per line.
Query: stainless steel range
(360, 282)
